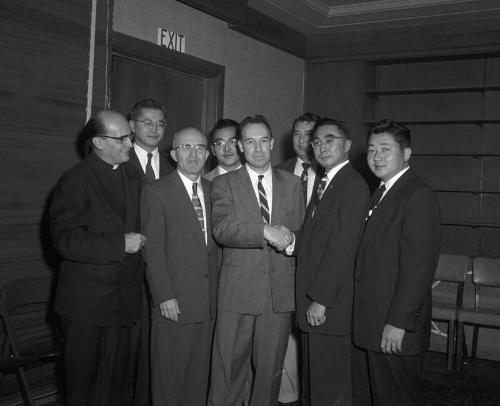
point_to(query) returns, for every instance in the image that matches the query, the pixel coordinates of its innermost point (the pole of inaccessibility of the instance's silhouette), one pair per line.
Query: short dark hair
(221, 124)
(341, 126)
(146, 104)
(401, 133)
(307, 118)
(257, 119)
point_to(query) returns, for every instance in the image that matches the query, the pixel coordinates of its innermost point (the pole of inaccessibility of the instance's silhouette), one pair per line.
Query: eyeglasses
(192, 147)
(160, 125)
(221, 144)
(122, 139)
(328, 142)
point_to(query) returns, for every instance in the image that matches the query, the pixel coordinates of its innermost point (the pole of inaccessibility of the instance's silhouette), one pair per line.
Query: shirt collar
(390, 183)
(142, 154)
(255, 176)
(188, 183)
(332, 172)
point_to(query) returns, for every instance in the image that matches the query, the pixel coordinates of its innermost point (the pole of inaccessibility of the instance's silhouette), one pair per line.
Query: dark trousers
(99, 371)
(386, 380)
(180, 361)
(329, 369)
(248, 341)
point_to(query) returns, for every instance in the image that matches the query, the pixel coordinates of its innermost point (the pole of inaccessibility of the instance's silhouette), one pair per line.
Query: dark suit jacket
(289, 166)
(165, 166)
(396, 260)
(248, 261)
(179, 263)
(326, 249)
(99, 283)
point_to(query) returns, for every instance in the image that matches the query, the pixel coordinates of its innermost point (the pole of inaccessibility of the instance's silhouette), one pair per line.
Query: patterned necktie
(197, 207)
(304, 177)
(375, 200)
(319, 192)
(150, 174)
(264, 207)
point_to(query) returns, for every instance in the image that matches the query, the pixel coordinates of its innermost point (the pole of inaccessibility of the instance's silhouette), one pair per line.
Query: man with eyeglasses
(94, 221)
(325, 249)
(224, 147)
(253, 210)
(148, 123)
(182, 268)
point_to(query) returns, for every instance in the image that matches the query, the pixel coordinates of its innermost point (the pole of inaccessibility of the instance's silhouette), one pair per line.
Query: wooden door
(191, 89)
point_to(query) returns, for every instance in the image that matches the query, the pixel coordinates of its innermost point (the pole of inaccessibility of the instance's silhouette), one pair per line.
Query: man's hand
(316, 314)
(279, 237)
(134, 242)
(170, 309)
(392, 339)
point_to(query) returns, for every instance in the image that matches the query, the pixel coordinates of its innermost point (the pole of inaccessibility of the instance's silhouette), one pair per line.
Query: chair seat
(444, 311)
(485, 317)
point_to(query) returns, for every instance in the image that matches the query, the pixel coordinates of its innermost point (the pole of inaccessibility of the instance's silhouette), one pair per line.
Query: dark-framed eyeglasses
(159, 125)
(122, 139)
(192, 147)
(221, 144)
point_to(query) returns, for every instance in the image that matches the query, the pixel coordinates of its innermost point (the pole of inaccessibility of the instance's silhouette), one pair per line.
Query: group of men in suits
(227, 263)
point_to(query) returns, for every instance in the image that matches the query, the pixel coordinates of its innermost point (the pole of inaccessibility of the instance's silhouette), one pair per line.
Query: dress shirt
(222, 171)
(332, 172)
(267, 182)
(188, 184)
(390, 183)
(311, 176)
(142, 155)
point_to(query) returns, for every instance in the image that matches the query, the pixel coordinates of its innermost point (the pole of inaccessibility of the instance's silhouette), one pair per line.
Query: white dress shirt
(188, 184)
(267, 182)
(311, 176)
(142, 155)
(390, 183)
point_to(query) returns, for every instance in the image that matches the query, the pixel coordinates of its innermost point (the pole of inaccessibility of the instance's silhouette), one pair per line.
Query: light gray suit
(256, 287)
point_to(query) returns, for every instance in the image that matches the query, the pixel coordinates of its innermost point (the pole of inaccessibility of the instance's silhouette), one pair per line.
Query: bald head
(190, 152)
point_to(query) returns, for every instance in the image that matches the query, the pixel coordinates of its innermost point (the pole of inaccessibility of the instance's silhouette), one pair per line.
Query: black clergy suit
(326, 249)
(180, 265)
(142, 390)
(396, 261)
(99, 292)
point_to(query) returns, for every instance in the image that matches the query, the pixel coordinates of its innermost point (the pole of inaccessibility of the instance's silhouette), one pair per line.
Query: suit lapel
(245, 188)
(185, 206)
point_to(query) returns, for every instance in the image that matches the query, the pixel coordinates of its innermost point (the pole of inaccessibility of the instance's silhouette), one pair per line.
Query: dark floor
(478, 382)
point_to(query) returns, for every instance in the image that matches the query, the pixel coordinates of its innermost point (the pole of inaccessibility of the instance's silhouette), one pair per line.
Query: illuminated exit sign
(171, 40)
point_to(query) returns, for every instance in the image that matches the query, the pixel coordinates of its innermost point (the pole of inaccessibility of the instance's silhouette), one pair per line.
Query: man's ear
(98, 142)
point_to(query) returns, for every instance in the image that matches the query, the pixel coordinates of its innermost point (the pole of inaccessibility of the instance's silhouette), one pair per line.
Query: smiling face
(331, 146)
(224, 147)
(385, 156)
(256, 143)
(147, 132)
(189, 153)
(301, 136)
(111, 150)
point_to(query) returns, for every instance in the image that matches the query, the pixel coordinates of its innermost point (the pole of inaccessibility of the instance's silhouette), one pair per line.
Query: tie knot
(261, 177)
(306, 165)
(195, 188)
(150, 155)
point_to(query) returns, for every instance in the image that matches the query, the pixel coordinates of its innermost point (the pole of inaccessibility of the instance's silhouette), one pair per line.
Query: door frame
(147, 52)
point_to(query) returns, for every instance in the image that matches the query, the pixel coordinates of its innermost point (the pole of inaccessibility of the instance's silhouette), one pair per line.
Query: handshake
(278, 236)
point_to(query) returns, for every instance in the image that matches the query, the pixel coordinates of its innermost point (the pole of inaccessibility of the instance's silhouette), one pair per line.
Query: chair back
(485, 272)
(452, 268)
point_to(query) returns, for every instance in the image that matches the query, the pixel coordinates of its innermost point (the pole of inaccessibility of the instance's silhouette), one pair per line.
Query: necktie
(197, 207)
(319, 192)
(264, 207)
(375, 200)
(303, 178)
(150, 174)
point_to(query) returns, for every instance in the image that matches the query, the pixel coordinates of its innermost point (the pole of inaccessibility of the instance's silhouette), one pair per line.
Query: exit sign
(171, 40)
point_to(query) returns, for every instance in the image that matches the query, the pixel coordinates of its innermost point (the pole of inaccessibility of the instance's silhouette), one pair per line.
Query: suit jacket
(212, 174)
(326, 250)
(249, 263)
(179, 263)
(99, 283)
(289, 166)
(396, 260)
(165, 166)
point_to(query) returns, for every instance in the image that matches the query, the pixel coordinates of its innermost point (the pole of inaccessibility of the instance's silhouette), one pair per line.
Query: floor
(477, 384)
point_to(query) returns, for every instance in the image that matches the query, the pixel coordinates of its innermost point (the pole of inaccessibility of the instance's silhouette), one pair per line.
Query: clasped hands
(278, 236)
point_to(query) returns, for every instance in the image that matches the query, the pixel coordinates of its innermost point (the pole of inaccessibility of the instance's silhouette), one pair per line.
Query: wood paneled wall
(44, 54)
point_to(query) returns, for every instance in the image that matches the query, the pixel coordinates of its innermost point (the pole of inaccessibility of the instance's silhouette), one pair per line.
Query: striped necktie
(319, 192)
(150, 174)
(264, 207)
(304, 178)
(197, 207)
